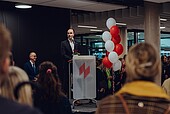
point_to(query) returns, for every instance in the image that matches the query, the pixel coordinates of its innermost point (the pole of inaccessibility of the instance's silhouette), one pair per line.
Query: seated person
(17, 76)
(48, 97)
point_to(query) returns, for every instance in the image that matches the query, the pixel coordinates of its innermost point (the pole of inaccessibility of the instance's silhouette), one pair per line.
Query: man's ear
(5, 65)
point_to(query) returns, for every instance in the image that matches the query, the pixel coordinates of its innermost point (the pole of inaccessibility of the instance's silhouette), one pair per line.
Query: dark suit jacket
(66, 50)
(10, 107)
(30, 71)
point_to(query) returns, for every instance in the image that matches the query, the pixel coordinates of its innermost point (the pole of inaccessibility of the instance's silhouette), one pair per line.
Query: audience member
(12, 63)
(166, 86)
(140, 94)
(8, 106)
(30, 66)
(17, 76)
(101, 81)
(49, 98)
(165, 69)
(109, 75)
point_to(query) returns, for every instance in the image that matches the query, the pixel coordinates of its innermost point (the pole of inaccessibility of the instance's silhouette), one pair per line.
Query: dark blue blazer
(30, 71)
(66, 50)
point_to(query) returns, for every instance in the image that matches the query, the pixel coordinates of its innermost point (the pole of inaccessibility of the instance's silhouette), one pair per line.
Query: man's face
(70, 34)
(33, 56)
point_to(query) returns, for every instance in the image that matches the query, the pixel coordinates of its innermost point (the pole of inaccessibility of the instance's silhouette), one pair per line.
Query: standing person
(49, 98)
(164, 68)
(68, 48)
(140, 94)
(8, 106)
(16, 77)
(30, 66)
(101, 81)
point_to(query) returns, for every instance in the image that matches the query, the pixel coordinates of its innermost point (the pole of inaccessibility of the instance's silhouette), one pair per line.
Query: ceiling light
(96, 30)
(99, 35)
(162, 27)
(124, 24)
(161, 19)
(23, 6)
(84, 26)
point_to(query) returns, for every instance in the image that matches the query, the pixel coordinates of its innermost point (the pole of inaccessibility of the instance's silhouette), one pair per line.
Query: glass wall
(139, 36)
(96, 47)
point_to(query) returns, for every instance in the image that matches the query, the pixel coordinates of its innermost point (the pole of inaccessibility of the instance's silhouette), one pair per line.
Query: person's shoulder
(15, 108)
(64, 99)
(111, 99)
(26, 63)
(64, 41)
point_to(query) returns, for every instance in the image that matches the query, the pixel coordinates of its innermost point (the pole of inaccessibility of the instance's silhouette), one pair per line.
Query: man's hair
(5, 44)
(72, 29)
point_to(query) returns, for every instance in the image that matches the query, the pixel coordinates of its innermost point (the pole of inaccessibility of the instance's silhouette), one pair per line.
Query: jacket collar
(143, 88)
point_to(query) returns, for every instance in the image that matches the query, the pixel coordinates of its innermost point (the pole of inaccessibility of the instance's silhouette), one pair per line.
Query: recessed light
(85, 26)
(161, 19)
(162, 27)
(124, 24)
(23, 6)
(96, 30)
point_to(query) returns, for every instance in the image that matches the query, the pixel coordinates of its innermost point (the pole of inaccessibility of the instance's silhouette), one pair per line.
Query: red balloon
(114, 31)
(107, 53)
(106, 62)
(116, 40)
(118, 49)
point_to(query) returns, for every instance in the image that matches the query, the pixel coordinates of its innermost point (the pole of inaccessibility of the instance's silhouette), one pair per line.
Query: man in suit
(30, 66)
(9, 106)
(68, 48)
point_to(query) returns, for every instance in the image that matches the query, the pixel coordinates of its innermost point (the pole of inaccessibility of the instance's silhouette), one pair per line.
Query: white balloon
(109, 46)
(106, 36)
(110, 22)
(117, 65)
(113, 57)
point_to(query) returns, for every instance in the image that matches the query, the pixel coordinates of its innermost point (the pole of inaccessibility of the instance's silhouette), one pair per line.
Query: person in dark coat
(30, 66)
(48, 97)
(8, 106)
(101, 81)
(69, 47)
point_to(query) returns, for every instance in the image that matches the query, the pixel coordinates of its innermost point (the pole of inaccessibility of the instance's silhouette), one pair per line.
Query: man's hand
(70, 60)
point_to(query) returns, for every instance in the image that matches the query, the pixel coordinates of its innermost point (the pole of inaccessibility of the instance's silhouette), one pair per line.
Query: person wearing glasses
(30, 66)
(8, 106)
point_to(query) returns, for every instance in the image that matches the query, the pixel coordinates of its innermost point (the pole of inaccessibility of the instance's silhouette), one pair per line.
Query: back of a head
(49, 81)
(16, 76)
(5, 46)
(142, 63)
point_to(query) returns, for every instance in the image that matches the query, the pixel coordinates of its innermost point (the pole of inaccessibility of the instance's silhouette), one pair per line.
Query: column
(123, 35)
(152, 27)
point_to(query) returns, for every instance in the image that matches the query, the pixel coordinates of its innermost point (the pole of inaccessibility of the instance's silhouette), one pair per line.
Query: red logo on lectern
(83, 70)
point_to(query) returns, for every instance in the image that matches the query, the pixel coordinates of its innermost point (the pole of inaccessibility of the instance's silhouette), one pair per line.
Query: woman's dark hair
(49, 81)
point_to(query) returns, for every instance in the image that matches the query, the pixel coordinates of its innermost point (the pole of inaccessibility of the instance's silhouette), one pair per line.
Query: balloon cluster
(112, 45)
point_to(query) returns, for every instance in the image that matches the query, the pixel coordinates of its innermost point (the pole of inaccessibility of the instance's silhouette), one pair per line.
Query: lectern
(84, 77)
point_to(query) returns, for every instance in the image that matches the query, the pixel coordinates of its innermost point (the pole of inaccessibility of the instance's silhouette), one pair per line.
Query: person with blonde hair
(140, 94)
(166, 86)
(8, 106)
(16, 77)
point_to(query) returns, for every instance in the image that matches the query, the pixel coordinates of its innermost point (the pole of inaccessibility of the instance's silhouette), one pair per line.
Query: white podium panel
(84, 77)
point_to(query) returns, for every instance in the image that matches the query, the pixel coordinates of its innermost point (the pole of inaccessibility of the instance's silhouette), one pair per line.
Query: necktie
(34, 68)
